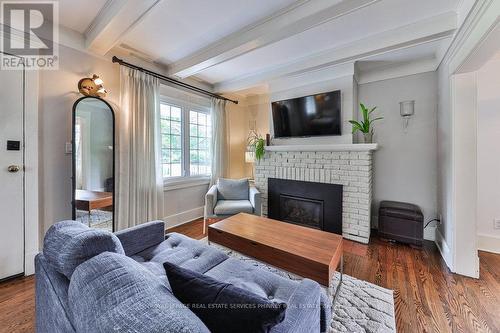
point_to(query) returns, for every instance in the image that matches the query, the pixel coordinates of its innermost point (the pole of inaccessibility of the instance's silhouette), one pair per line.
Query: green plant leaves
(365, 126)
(259, 149)
(356, 126)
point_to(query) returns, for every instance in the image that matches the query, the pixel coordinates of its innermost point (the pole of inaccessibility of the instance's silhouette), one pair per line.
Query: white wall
(316, 82)
(57, 93)
(237, 131)
(258, 110)
(488, 155)
(405, 165)
(254, 108)
(184, 204)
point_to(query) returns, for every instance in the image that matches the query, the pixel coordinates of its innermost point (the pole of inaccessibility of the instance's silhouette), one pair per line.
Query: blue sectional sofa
(90, 280)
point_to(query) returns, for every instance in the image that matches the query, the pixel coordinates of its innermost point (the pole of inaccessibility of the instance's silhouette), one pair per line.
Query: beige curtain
(219, 140)
(140, 182)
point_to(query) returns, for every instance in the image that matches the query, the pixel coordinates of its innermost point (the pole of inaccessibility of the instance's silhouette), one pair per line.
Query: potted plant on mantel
(256, 144)
(365, 126)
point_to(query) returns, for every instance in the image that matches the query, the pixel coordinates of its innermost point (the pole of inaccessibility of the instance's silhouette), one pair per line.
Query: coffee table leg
(337, 290)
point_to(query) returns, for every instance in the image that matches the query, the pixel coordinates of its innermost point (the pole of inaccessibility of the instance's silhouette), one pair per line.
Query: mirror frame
(73, 157)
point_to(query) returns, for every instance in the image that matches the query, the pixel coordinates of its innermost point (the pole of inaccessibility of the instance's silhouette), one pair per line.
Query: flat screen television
(313, 115)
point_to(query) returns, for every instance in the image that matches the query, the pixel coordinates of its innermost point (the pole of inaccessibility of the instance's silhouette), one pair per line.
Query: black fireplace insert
(309, 204)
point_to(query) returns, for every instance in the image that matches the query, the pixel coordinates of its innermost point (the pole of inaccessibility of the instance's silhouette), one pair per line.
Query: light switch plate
(496, 224)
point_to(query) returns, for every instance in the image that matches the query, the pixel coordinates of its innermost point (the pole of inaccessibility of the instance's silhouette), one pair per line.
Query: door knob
(13, 168)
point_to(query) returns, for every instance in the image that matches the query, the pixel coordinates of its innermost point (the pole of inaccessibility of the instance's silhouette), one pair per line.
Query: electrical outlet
(440, 218)
(496, 224)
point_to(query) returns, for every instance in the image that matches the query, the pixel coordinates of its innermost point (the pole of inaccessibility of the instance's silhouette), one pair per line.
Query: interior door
(11, 173)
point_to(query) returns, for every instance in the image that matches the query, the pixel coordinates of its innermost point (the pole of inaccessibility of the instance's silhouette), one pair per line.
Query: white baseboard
(183, 217)
(29, 263)
(488, 243)
(444, 249)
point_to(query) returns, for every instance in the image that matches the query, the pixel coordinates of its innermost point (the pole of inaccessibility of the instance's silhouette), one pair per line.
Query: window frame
(186, 179)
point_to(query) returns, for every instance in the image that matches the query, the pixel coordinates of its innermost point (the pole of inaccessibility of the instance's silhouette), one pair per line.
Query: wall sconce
(92, 87)
(406, 109)
(249, 157)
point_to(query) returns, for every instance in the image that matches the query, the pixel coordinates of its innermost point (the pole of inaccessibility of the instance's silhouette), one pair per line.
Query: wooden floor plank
(428, 298)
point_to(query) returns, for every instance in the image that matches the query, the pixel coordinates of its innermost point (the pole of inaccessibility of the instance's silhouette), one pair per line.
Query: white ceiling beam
(398, 70)
(299, 17)
(428, 30)
(114, 20)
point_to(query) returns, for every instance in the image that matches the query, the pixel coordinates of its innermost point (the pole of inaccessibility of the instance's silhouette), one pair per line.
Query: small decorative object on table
(365, 126)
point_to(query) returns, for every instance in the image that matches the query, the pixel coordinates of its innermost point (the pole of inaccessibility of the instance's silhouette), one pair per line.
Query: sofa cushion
(230, 207)
(232, 189)
(180, 250)
(257, 280)
(113, 293)
(67, 244)
(222, 306)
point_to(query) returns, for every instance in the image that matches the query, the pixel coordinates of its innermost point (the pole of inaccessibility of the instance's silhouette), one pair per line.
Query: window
(186, 132)
(200, 133)
(171, 140)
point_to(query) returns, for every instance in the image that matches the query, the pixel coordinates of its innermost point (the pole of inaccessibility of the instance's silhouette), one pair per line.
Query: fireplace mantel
(336, 147)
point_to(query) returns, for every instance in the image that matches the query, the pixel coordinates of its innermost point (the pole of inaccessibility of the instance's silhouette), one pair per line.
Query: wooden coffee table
(304, 251)
(89, 200)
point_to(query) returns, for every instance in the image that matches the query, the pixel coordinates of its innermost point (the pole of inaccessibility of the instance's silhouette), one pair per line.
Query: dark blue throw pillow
(221, 306)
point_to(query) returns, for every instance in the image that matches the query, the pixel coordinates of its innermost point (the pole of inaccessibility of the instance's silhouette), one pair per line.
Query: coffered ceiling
(240, 45)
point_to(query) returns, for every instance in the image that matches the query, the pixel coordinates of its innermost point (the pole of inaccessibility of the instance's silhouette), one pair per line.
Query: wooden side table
(89, 200)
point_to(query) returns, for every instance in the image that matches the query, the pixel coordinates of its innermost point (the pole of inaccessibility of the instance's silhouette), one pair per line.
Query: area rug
(360, 307)
(99, 219)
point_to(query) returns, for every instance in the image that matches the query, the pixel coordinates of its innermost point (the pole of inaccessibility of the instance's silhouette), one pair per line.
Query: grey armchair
(229, 197)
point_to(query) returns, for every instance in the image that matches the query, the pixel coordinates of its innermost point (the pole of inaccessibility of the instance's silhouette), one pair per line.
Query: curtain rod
(173, 81)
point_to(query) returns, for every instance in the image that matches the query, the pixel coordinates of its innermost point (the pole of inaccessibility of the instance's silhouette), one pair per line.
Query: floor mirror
(93, 152)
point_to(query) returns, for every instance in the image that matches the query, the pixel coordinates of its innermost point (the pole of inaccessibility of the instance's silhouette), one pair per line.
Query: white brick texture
(353, 170)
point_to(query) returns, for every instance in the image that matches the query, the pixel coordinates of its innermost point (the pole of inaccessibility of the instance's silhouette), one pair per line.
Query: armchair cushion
(231, 207)
(232, 189)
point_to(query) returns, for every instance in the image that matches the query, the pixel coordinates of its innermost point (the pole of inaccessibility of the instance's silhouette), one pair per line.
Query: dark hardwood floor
(428, 298)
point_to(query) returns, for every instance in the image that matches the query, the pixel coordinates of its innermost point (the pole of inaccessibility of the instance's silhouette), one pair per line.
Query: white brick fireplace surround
(349, 165)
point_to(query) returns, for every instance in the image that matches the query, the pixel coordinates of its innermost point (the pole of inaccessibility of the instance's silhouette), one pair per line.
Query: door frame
(30, 169)
(469, 49)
